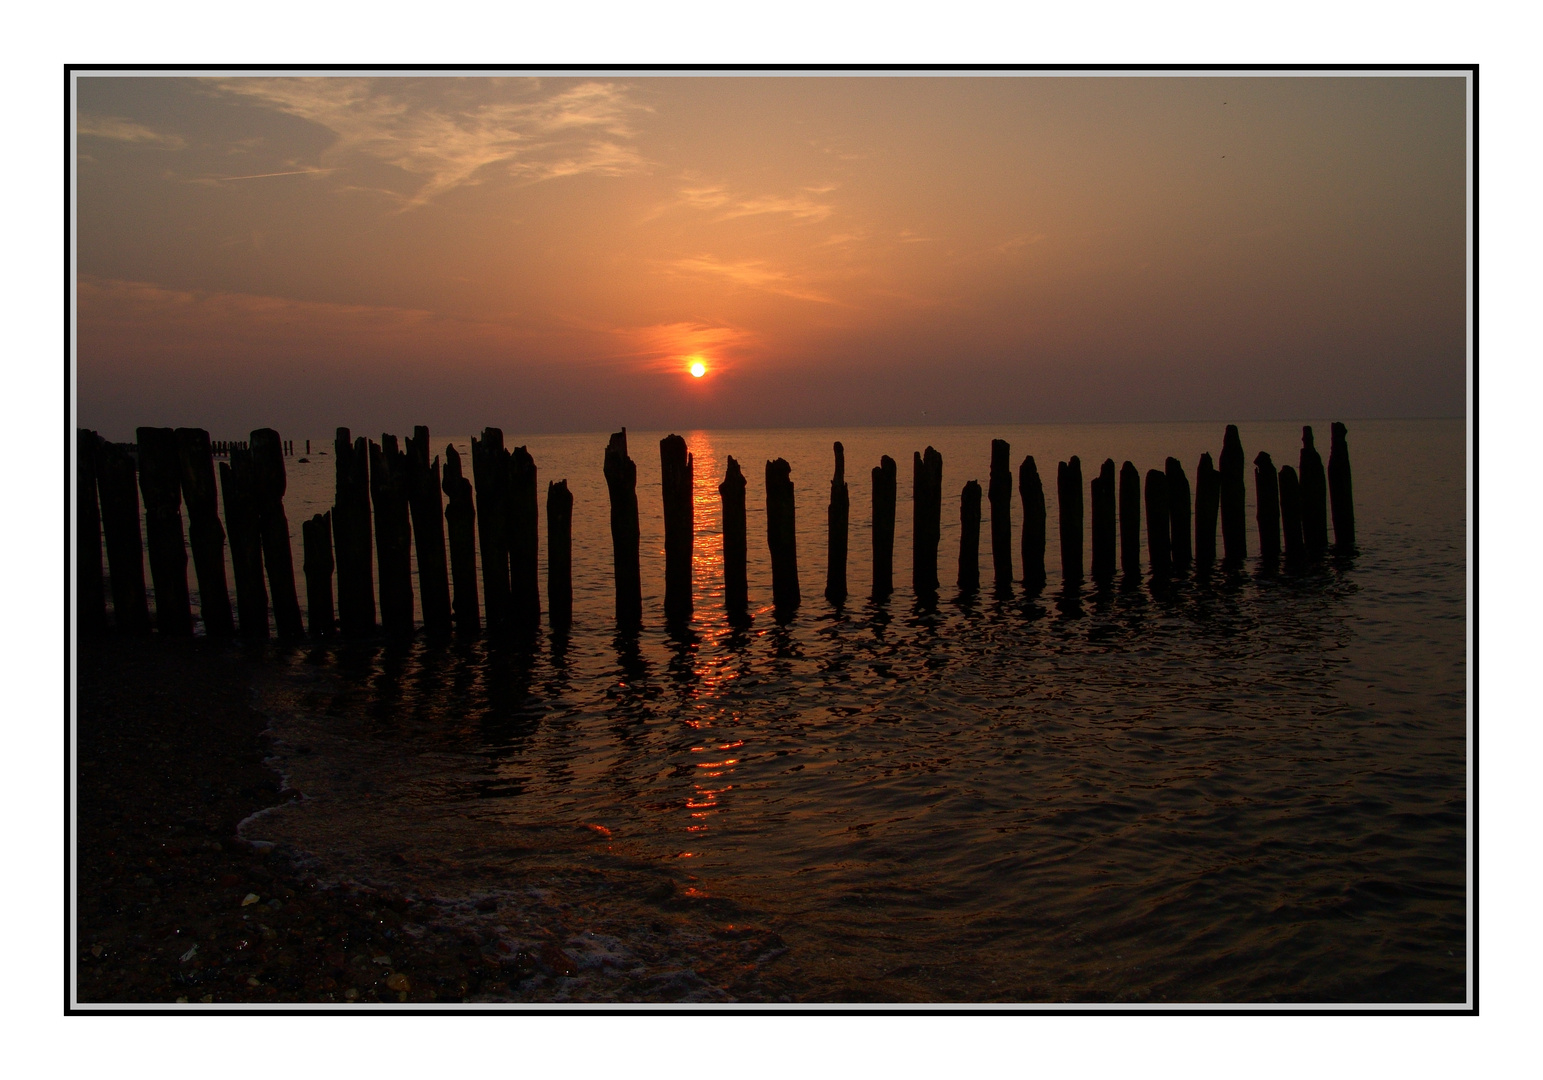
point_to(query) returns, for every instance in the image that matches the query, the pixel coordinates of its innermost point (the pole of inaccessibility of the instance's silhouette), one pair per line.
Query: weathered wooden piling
(969, 538)
(1159, 534)
(1315, 497)
(490, 471)
(1267, 507)
(393, 535)
(524, 544)
(160, 485)
(425, 505)
(836, 515)
(238, 485)
(926, 519)
(206, 536)
(885, 488)
(781, 536)
(1291, 515)
(559, 555)
(90, 596)
(268, 476)
(1130, 520)
(120, 530)
(621, 479)
(352, 535)
(1104, 527)
(1234, 529)
(677, 477)
(1032, 491)
(999, 494)
(736, 589)
(316, 538)
(1208, 488)
(461, 521)
(1341, 501)
(1179, 516)
(1068, 478)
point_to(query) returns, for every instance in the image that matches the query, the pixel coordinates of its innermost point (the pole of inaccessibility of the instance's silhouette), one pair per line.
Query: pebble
(351, 994)
(189, 955)
(252, 981)
(399, 983)
(250, 898)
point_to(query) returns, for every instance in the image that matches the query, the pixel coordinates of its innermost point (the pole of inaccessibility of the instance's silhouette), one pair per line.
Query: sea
(1251, 788)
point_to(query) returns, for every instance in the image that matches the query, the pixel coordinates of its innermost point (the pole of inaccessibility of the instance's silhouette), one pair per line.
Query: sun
(698, 369)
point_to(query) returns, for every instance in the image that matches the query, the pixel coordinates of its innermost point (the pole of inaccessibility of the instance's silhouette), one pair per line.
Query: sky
(554, 254)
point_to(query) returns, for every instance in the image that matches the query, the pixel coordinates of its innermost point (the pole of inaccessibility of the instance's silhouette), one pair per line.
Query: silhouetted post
(1178, 516)
(160, 483)
(268, 472)
(884, 494)
(1032, 492)
(425, 505)
(676, 475)
(393, 535)
(781, 536)
(524, 543)
(316, 538)
(90, 596)
(461, 519)
(1315, 498)
(1102, 492)
(621, 478)
(1341, 503)
(969, 538)
(1208, 488)
(308, 448)
(1159, 534)
(490, 470)
(120, 529)
(1130, 520)
(206, 536)
(927, 519)
(238, 485)
(999, 493)
(1068, 476)
(1234, 529)
(836, 515)
(736, 589)
(1267, 507)
(351, 535)
(559, 555)
(1291, 515)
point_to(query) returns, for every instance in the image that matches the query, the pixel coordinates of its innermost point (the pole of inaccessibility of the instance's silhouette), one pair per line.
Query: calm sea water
(1251, 788)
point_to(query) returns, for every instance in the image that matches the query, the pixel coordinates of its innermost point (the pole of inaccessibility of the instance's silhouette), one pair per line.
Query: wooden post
(1291, 515)
(559, 555)
(1159, 534)
(1068, 477)
(1178, 516)
(1208, 488)
(490, 470)
(1032, 492)
(206, 536)
(524, 544)
(736, 590)
(781, 536)
(426, 508)
(836, 515)
(1104, 527)
(160, 483)
(969, 538)
(268, 472)
(461, 519)
(90, 596)
(1130, 521)
(1234, 530)
(316, 537)
(1341, 502)
(238, 485)
(926, 520)
(1315, 496)
(999, 493)
(119, 494)
(621, 479)
(884, 496)
(393, 535)
(351, 536)
(1267, 507)
(676, 475)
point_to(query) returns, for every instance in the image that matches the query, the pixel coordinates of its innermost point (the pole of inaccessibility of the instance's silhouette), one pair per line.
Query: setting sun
(698, 369)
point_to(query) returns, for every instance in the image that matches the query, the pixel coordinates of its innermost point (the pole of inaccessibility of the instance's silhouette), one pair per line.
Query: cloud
(121, 130)
(727, 205)
(667, 345)
(435, 130)
(749, 273)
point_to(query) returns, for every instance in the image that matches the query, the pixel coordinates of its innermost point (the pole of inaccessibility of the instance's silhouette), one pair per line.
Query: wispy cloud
(261, 176)
(726, 205)
(749, 273)
(666, 346)
(121, 130)
(433, 130)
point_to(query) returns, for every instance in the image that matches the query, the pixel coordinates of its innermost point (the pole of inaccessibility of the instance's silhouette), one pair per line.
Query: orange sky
(549, 254)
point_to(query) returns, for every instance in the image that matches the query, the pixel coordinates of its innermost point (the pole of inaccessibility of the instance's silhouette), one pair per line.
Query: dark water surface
(1249, 788)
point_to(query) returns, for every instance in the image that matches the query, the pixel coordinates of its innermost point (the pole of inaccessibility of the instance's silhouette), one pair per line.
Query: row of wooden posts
(398, 490)
(223, 447)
